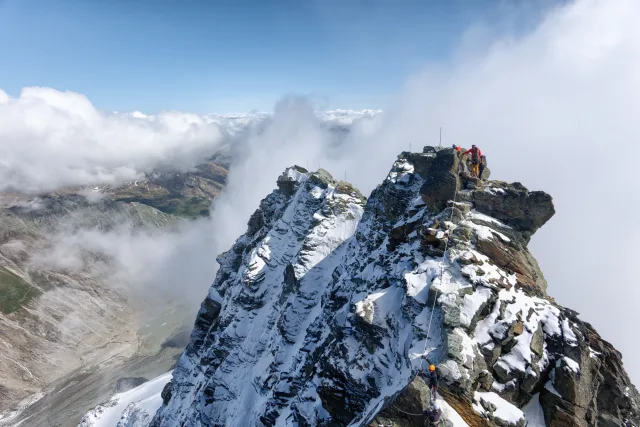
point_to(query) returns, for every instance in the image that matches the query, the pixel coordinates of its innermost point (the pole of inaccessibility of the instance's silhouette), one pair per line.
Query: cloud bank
(150, 265)
(51, 139)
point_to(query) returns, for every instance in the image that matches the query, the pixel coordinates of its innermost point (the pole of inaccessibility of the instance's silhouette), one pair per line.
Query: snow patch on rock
(493, 406)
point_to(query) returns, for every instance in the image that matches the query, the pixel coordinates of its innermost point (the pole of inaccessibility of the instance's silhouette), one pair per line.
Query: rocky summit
(331, 304)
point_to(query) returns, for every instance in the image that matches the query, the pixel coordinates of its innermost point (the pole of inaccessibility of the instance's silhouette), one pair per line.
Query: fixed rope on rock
(435, 298)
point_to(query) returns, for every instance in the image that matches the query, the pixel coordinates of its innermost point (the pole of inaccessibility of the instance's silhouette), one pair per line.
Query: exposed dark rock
(166, 393)
(207, 318)
(537, 342)
(486, 173)
(287, 182)
(256, 222)
(407, 408)
(514, 205)
(438, 169)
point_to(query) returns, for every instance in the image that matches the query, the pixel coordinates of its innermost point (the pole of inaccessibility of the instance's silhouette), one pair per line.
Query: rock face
(330, 307)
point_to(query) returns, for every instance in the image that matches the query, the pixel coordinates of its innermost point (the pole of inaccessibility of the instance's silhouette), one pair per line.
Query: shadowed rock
(437, 166)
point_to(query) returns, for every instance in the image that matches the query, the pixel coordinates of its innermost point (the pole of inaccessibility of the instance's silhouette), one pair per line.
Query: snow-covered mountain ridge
(326, 301)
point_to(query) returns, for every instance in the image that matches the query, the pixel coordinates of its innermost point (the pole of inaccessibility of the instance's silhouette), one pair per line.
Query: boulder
(499, 411)
(450, 306)
(465, 196)
(537, 341)
(485, 380)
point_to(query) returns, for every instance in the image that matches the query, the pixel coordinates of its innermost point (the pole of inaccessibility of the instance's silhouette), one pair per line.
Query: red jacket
(470, 150)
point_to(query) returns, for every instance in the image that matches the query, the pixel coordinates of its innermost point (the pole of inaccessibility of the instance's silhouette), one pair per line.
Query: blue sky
(226, 56)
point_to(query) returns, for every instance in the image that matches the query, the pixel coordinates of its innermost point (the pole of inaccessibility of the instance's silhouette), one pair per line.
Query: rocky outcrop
(514, 205)
(439, 173)
(588, 386)
(329, 311)
(408, 408)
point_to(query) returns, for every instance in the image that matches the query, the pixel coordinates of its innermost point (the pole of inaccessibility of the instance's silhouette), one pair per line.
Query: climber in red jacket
(476, 154)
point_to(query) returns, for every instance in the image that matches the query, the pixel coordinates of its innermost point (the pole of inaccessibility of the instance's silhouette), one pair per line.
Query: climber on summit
(433, 414)
(476, 154)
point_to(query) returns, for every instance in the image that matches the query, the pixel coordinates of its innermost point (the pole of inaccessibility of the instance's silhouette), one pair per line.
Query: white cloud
(92, 195)
(50, 139)
(150, 264)
(30, 204)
